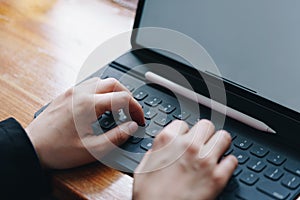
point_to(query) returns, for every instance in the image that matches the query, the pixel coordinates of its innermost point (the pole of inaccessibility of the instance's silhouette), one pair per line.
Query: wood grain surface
(43, 45)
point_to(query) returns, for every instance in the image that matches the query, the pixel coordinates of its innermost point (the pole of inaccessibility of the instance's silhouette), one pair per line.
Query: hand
(62, 134)
(185, 164)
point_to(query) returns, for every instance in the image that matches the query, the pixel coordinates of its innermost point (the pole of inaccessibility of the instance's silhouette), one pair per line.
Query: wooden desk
(43, 45)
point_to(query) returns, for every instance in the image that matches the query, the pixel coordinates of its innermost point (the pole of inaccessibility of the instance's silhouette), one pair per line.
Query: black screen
(255, 44)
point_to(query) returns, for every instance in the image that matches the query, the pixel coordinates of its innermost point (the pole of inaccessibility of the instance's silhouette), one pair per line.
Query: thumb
(121, 133)
(104, 143)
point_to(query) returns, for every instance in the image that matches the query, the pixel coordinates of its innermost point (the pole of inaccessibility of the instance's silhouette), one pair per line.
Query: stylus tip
(269, 130)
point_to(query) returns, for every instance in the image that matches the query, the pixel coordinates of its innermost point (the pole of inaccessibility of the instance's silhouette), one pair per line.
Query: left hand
(62, 134)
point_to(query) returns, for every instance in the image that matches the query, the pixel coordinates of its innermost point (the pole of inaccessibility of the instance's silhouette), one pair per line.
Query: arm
(61, 137)
(20, 171)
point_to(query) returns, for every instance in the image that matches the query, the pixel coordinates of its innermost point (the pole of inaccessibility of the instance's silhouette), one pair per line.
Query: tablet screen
(255, 44)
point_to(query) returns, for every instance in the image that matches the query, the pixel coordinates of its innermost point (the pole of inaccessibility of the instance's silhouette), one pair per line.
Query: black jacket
(21, 176)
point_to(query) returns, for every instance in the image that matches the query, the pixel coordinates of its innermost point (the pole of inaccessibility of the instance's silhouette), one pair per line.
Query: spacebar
(137, 157)
(273, 189)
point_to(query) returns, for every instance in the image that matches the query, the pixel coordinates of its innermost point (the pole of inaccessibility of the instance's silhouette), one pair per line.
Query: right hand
(185, 164)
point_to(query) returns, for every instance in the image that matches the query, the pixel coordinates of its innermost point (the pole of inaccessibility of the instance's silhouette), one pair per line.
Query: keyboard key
(107, 122)
(167, 108)
(121, 116)
(273, 189)
(140, 133)
(135, 140)
(228, 151)
(129, 87)
(256, 165)
(104, 77)
(241, 156)
(192, 120)
(153, 130)
(162, 120)
(153, 101)
(249, 193)
(140, 95)
(237, 171)
(108, 113)
(149, 113)
(273, 173)
(276, 158)
(242, 143)
(181, 115)
(232, 134)
(291, 181)
(97, 130)
(249, 178)
(147, 144)
(147, 123)
(231, 185)
(293, 167)
(259, 151)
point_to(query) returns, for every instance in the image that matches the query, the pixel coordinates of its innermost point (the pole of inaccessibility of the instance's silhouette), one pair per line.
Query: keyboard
(263, 172)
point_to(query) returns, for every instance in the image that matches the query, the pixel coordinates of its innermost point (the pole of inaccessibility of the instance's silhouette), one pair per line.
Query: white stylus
(176, 88)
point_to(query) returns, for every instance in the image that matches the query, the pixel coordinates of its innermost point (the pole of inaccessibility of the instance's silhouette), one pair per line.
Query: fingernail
(132, 126)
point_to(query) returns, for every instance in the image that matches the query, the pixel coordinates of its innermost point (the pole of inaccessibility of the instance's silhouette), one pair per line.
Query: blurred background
(43, 44)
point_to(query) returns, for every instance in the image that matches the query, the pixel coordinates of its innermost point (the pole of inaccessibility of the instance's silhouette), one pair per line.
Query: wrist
(35, 145)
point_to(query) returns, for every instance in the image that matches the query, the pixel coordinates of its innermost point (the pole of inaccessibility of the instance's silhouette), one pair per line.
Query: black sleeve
(21, 176)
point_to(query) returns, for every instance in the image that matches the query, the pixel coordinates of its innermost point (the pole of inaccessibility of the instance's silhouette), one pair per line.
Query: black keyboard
(262, 173)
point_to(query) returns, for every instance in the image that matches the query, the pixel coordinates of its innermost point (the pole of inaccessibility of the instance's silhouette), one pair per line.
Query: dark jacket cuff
(21, 173)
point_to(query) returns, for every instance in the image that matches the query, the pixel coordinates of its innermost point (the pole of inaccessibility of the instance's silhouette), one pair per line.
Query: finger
(177, 127)
(201, 132)
(121, 133)
(142, 167)
(169, 133)
(225, 169)
(217, 145)
(110, 85)
(113, 138)
(115, 101)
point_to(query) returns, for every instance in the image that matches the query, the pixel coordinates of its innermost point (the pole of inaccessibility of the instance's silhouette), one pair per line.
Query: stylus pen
(176, 88)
